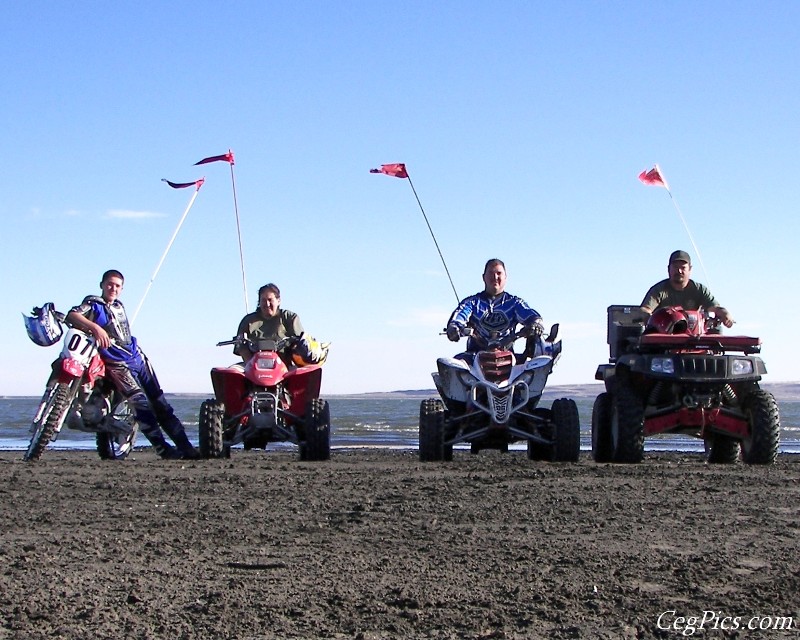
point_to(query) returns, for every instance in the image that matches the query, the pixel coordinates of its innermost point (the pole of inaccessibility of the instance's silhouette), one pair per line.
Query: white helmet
(44, 325)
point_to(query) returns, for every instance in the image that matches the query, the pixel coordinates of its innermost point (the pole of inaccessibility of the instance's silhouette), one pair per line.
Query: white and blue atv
(490, 399)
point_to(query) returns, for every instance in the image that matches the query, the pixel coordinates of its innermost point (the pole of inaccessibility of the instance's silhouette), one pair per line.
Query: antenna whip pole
(398, 170)
(655, 177)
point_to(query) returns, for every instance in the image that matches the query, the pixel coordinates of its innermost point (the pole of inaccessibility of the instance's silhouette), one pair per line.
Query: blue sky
(523, 125)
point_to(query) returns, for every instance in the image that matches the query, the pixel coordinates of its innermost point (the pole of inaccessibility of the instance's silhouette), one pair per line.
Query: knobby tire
(602, 445)
(765, 428)
(431, 432)
(567, 432)
(317, 445)
(210, 430)
(53, 417)
(627, 425)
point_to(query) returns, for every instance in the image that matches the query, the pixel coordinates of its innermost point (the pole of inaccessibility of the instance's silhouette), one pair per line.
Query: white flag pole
(199, 184)
(238, 232)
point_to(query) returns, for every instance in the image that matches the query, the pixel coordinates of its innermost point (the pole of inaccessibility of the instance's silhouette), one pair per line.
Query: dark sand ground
(374, 544)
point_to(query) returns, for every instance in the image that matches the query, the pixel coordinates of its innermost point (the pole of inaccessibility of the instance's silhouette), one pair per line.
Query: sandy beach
(374, 544)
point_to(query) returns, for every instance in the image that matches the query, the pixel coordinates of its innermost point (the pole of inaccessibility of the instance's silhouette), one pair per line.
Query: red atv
(678, 374)
(265, 401)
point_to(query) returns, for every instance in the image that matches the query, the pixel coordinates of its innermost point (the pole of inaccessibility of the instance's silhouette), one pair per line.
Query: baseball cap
(680, 255)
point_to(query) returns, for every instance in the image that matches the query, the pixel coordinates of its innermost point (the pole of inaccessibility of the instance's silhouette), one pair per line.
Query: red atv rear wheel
(317, 444)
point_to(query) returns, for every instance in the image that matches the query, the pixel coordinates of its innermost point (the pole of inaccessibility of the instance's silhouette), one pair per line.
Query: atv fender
(447, 380)
(541, 366)
(303, 385)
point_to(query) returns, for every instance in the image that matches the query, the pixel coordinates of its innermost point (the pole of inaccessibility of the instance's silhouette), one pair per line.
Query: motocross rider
(126, 364)
(493, 313)
(680, 291)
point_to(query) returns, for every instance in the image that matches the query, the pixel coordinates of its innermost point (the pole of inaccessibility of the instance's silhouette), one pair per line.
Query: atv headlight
(662, 365)
(466, 378)
(266, 362)
(741, 367)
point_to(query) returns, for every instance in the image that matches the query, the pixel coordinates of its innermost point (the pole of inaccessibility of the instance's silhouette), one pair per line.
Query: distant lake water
(387, 419)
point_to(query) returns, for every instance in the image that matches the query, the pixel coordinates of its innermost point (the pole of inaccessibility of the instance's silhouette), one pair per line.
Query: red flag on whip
(397, 170)
(183, 185)
(225, 157)
(654, 178)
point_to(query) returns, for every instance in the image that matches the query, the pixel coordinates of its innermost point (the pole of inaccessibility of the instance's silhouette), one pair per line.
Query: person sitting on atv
(492, 314)
(680, 291)
(270, 322)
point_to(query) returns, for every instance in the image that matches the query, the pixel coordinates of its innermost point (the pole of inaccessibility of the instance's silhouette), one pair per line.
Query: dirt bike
(79, 395)
(263, 402)
(492, 401)
(679, 374)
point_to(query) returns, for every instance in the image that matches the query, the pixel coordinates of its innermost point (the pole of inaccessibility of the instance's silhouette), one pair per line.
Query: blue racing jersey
(492, 318)
(114, 320)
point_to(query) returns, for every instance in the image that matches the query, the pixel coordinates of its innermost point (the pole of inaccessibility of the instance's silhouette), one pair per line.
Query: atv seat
(659, 341)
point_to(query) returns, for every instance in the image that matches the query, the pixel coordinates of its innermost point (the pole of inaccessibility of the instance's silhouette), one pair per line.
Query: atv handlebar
(504, 342)
(261, 344)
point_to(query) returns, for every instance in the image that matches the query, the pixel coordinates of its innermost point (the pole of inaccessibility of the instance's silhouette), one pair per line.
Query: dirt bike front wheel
(53, 409)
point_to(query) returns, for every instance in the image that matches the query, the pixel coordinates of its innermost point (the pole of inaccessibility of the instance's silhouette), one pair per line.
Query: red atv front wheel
(212, 414)
(761, 446)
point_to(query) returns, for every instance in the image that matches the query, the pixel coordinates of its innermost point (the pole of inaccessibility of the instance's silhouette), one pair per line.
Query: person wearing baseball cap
(679, 290)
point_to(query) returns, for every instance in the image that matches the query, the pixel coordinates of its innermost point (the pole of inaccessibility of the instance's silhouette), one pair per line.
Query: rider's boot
(174, 428)
(185, 448)
(159, 443)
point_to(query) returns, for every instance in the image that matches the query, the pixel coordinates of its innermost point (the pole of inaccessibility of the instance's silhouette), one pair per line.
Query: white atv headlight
(742, 367)
(662, 365)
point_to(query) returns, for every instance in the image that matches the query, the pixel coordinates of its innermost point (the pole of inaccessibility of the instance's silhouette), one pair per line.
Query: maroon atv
(263, 402)
(678, 374)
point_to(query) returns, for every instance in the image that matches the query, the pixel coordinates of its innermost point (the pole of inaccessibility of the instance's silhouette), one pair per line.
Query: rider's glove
(453, 332)
(534, 330)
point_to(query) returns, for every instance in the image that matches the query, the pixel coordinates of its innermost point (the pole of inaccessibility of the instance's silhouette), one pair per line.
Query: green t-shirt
(693, 297)
(255, 326)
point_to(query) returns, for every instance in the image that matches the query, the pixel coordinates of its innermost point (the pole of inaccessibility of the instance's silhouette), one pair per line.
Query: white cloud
(132, 215)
